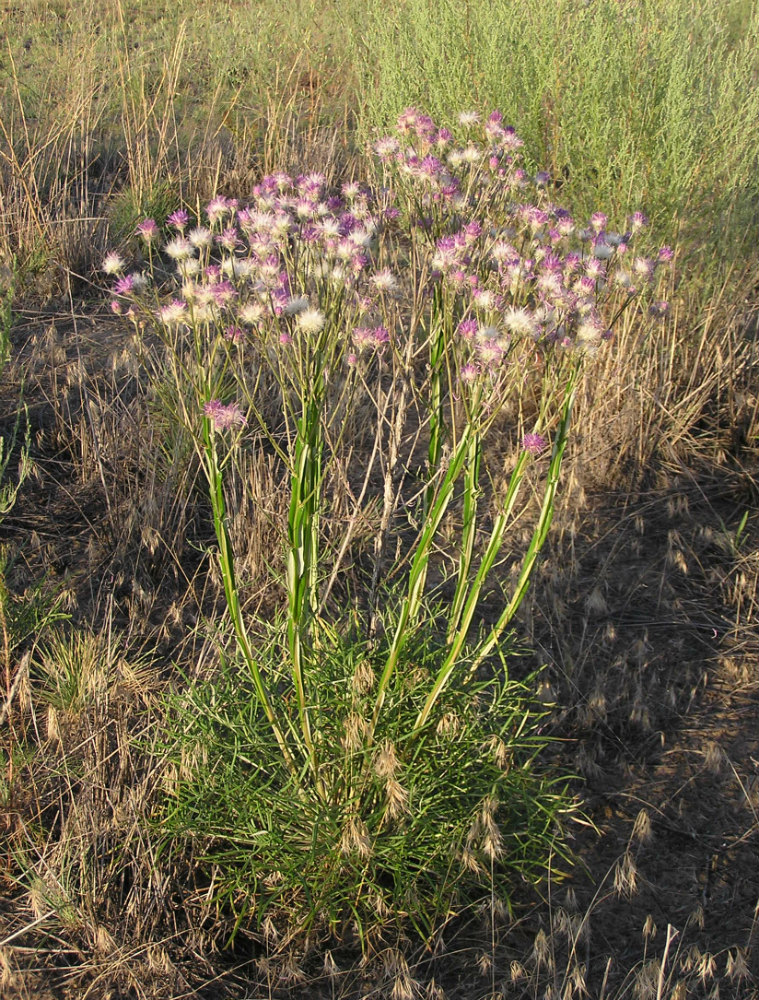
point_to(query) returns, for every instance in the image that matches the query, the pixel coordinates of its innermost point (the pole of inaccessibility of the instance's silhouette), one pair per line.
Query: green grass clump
(413, 827)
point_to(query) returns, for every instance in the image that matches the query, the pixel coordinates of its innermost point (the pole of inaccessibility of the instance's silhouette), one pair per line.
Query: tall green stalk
(302, 557)
(227, 565)
(541, 529)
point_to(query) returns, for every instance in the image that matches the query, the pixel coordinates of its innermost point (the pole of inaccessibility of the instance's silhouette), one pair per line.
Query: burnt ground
(645, 619)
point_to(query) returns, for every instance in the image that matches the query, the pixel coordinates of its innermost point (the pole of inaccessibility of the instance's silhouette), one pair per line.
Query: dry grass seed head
(356, 839)
(9, 978)
(363, 678)
(646, 981)
(385, 761)
(449, 726)
(642, 830)
(500, 752)
(396, 798)
(626, 876)
(736, 966)
(356, 732)
(714, 758)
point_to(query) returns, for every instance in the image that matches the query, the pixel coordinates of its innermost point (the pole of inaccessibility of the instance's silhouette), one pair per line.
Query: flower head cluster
(518, 266)
(303, 267)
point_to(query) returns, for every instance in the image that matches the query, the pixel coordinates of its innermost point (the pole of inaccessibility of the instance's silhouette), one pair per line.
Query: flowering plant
(450, 298)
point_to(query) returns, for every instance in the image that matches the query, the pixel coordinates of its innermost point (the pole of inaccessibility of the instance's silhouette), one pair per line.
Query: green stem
(301, 560)
(541, 530)
(418, 571)
(437, 354)
(469, 530)
(456, 640)
(226, 561)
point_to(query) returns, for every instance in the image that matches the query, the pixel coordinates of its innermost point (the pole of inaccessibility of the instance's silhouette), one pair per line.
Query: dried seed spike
(540, 947)
(517, 971)
(396, 798)
(706, 968)
(270, 932)
(736, 966)
(355, 732)
(434, 992)
(356, 838)
(714, 758)
(363, 678)
(385, 761)
(642, 830)
(449, 725)
(626, 876)
(570, 898)
(484, 963)
(649, 927)
(595, 603)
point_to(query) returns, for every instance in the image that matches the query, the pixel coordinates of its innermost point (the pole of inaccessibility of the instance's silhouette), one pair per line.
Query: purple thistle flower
(665, 254)
(594, 267)
(425, 128)
(179, 219)
(234, 334)
(148, 230)
(659, 309)
(386, 147)
(179, 248)
(510, 140)
(223, 292)
(637, 221)
(173, 312)
(598, 221)
(644, 266)
(219, 206)
(223, 416)
(490, 352)
(467, 328)
(535, 217)
(124, 285)
(407, 120)
(601, 249)
(228, 238)
(357, 263)
(571, 262)
(362, 337)
(472, 231)
(534, 443)
(585, 285)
